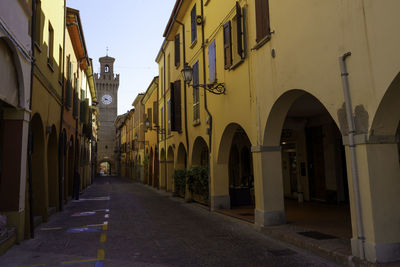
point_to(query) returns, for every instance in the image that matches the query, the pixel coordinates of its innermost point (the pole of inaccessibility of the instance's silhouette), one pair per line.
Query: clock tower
(107, 93)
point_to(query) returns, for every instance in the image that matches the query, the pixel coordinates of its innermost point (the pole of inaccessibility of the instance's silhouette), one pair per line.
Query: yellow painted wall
(307, 39)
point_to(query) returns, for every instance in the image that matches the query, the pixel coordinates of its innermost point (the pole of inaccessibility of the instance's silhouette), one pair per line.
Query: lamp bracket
(215, 88)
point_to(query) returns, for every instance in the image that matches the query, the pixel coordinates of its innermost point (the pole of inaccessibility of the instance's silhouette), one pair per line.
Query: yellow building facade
(150, 103)
(301, 119)
(46, 108)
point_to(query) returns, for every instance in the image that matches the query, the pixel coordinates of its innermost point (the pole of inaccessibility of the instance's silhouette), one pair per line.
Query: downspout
(61, 146)
(158, 141)
(184, 88)
(30, 138)
(205, 103)
(353, 155)
(165, 127)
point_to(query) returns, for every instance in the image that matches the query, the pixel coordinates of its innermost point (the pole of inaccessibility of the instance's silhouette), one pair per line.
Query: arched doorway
(163, 170)
(170, 169)
(105, 168)
(39, 195)
(151, 175)
(200, 153)
(156, 169)
(71, 162)
(52, 169)
(181, 161)
(303, 155)
(234, 169)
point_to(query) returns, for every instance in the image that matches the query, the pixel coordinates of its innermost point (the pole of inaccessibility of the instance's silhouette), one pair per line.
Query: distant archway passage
(235, 165)
(105, 168)
(200, 153)
(156, 169)
(71, 165)
(163, 170)
(170, 169)
(181, 161)
(313, 165)
(151, 171)
(38, 169)
(52, 169)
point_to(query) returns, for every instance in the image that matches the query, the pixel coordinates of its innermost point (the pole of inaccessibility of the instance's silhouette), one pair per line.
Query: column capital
(16, 114)
(363, 139)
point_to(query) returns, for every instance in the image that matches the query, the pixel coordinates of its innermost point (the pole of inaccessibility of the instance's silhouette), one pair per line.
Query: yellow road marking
(103, 237)
(94, 225)
(100, 254)
(48, 229)
(105, 227)
(88, 260)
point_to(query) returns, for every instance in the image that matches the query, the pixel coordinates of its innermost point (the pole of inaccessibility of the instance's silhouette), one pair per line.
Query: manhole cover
(282, 252)
(317, 235)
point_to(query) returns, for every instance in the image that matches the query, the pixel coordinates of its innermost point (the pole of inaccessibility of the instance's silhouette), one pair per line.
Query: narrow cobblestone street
(120, 223)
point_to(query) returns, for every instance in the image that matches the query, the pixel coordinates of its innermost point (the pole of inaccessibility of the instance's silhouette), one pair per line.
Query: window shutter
(149, 117)
(195, 82)
(262, 19)
(239, 29)
(176, 119)
(177, 50)
(227, 45)
(76, 104)
(69, 86)
(155, 114)
(211, 62)
(193, 23)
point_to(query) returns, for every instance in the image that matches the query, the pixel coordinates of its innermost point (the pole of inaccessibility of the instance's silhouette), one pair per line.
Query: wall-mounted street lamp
(156, 127)
(215, 88)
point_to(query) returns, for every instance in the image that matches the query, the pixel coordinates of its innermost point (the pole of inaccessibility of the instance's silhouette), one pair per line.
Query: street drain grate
(282, 252)
(317, 235)
(246, 214)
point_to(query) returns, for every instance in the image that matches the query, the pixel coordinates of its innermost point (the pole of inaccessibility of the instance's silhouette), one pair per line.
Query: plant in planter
(198, 183)
(180, 182)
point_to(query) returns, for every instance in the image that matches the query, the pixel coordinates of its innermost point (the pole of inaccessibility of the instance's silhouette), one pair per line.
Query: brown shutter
(149, 116)
(239, 29)
(176, 118)
(262, 19)
(155, 113)
(227, 45)
(177, 50)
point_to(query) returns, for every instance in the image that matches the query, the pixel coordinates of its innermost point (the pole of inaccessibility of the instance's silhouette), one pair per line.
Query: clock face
(106, 99)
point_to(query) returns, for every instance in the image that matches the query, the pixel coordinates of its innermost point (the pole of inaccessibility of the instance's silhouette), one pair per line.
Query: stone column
(379, 179)
(268, 185)
(14, 173)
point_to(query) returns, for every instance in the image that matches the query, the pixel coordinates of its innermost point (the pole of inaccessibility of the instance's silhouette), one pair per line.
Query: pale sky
(132, 30)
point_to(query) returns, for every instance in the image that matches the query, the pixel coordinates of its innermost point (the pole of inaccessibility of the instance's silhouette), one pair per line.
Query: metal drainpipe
(30, 134)
(353, 155)
(158, 142)
(205, 103)
(165, 126)
(184, 88)
(61, 145)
